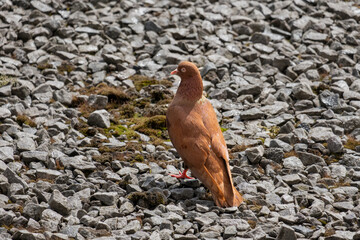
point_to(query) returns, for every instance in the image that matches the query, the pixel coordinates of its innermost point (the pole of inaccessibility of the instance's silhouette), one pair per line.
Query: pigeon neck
(190, 89)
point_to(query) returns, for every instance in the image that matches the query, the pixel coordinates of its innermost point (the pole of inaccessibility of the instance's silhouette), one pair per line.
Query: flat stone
(309, 159)
(182, 193)
(4, 113)
(88, 49)
(251, 114)
(344, 206)
(293, 163)
(6, 154)
(315, 36)
(41, 6)
(47, 174)
(321, 134)
(108, 198)
(291, 179)
(82, 165)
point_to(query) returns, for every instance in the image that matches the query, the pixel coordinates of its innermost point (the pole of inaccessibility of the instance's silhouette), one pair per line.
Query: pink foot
(182, 175)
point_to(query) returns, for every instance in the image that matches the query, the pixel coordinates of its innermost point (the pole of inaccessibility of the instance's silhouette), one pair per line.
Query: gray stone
(254, 154)
(293, 163)
(4, 113)
(108, 198)
(315, 36)
(26, 144)
(41, 6)
(32, 210)
(241, 224)
(309, 159)
(303, 91)
(343, 206)
(329, 99)
(286, 233)
(88, 49)
(152, 26)
(63, 96)
(249, 89)
(207, 68)
(182, 193)
(50, 220)
(98, 101)
(47, 174)
(99, 118)
(291, 179)
(30, 156)
(251, 114)
(25, 234)
(14, 178)
(132, 227)
(334, 144)
(321, 134)
(276, 143)
(59, 203)
(6, 154)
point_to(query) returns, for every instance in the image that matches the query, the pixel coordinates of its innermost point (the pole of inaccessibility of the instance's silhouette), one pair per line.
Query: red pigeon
(196, 135)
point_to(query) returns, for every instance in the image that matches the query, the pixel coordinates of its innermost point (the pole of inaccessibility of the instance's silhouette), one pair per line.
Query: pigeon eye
(183, 69)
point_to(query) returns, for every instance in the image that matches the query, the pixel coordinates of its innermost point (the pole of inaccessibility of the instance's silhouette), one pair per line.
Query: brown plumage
(196, 135)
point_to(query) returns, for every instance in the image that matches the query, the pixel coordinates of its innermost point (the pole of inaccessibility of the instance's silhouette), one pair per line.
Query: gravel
(84, 86)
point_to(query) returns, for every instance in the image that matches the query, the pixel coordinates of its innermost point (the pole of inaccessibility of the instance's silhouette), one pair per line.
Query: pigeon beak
(174, 72)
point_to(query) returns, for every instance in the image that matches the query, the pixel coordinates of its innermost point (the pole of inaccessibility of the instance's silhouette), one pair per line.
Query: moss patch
(147, 199)
(106, 157)
(117, 130)
(5, 80)
(23, 119)
(65, 67)
(239, 148)
(43, 66)
(351, 143)
(114, 94)
(143, 81)
(290, 154)
(273, 131)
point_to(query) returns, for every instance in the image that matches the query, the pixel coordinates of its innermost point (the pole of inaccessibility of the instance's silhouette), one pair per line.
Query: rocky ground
(84, 87)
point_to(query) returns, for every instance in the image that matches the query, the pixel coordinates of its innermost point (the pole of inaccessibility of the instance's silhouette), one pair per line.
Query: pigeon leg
(182, 175)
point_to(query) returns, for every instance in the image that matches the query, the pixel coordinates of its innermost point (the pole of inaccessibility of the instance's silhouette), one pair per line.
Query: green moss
(143, 81)
(139, 158)
(351, 143)
(272, 131)
(43, 66)
(65, 67)
(88, 131)
(152, 126)
(127, 111)
(23, 119)
(117, 130)
(223, 129)
(147, 199)
(103, 158)
(114, 94)
(5, 80)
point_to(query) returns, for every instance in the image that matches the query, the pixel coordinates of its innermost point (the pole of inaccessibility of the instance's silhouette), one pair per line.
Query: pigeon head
(186, 70)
